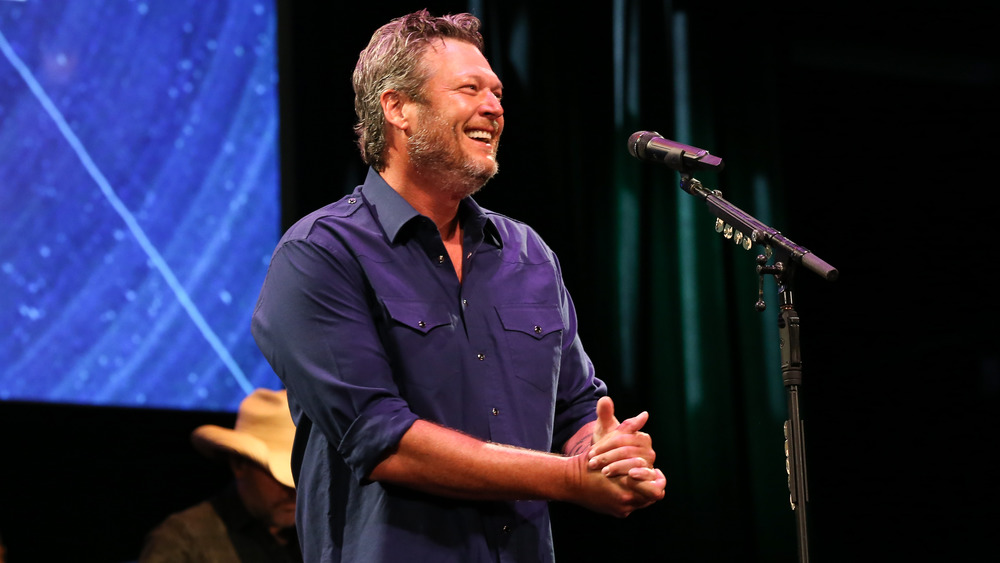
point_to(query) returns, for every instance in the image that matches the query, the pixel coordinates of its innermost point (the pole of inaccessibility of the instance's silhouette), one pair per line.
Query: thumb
(606, 421)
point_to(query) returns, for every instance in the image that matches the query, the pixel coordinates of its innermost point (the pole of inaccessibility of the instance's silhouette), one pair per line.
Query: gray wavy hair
(393, 61)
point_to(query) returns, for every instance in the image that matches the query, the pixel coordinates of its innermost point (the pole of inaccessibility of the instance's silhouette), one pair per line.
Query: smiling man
(440, 389)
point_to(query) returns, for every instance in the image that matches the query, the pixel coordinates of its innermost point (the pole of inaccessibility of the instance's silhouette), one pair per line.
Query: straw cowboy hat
(264, 432)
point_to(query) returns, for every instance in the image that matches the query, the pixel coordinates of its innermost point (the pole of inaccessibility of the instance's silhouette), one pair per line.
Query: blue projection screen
(139, 200)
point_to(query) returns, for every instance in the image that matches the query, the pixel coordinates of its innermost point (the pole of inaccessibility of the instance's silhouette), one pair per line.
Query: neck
(433, 200)
(428, 197)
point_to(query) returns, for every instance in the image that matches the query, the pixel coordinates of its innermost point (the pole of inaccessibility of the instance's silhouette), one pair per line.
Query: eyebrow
(480, 77)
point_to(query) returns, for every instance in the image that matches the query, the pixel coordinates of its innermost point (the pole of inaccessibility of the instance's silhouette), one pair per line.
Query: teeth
(481, 135)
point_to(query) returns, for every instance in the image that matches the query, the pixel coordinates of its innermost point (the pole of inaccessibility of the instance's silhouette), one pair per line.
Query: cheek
(283, 515)
(276, 493)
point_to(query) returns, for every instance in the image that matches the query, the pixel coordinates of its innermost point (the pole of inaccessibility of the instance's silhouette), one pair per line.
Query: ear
(395, 107)
(238, 464)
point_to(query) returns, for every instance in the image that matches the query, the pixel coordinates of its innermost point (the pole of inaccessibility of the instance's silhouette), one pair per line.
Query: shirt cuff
(373, 433)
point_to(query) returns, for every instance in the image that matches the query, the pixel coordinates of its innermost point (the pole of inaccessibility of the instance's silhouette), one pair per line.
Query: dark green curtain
(666, 303)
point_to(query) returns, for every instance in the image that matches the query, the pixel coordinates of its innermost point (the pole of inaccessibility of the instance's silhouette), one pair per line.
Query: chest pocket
(420, 316)
(534, 340)
(418, 338)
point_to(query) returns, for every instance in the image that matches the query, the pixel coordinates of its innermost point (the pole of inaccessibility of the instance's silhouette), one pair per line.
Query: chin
(484, 171)
(285, 523)
(470, 178)
(284, 520)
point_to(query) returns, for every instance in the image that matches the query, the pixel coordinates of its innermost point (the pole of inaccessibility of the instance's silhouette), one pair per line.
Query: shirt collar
(393, 212)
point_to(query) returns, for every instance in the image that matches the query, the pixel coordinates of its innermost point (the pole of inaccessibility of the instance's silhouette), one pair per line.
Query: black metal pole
(791, 373)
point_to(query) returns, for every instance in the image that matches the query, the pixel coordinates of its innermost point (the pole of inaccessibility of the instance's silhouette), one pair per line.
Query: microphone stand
(745, 231)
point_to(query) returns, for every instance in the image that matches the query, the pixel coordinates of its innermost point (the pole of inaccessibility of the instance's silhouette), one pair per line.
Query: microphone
(649, 145)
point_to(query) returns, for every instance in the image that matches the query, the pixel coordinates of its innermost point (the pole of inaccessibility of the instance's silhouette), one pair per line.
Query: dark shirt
(365, 321)
(218, 530)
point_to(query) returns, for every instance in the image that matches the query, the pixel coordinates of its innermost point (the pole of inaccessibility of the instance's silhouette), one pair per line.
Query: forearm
(581, 441)
(445, 462)
(440, 461)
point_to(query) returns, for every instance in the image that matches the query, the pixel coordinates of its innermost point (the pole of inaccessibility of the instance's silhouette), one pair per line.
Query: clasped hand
(622, 456)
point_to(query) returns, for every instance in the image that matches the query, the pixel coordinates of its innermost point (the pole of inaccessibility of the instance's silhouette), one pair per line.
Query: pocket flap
(418, 315)
(533, 320)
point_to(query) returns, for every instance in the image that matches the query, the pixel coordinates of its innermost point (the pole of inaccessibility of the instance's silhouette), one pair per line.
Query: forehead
(450, 59)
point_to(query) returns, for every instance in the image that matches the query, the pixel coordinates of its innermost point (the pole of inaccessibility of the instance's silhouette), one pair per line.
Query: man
(429, 346)
(254, 519)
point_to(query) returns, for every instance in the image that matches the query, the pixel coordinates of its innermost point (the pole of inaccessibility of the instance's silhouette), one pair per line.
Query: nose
(491, 106)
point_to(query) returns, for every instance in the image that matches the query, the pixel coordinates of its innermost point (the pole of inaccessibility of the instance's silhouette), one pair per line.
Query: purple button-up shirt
(362, 317)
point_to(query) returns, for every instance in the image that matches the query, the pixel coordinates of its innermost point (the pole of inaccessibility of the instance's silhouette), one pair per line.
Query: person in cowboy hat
(254, 518)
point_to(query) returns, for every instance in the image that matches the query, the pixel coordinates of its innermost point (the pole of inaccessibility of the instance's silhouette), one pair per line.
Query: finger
(618, 441)
(604, 430)
(642, 493)
(624, 467)
(650, 490)
(622, 453)
(643, 473)
(635, 423)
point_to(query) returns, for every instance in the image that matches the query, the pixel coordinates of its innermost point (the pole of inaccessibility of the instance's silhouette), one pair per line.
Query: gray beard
(432, 149)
